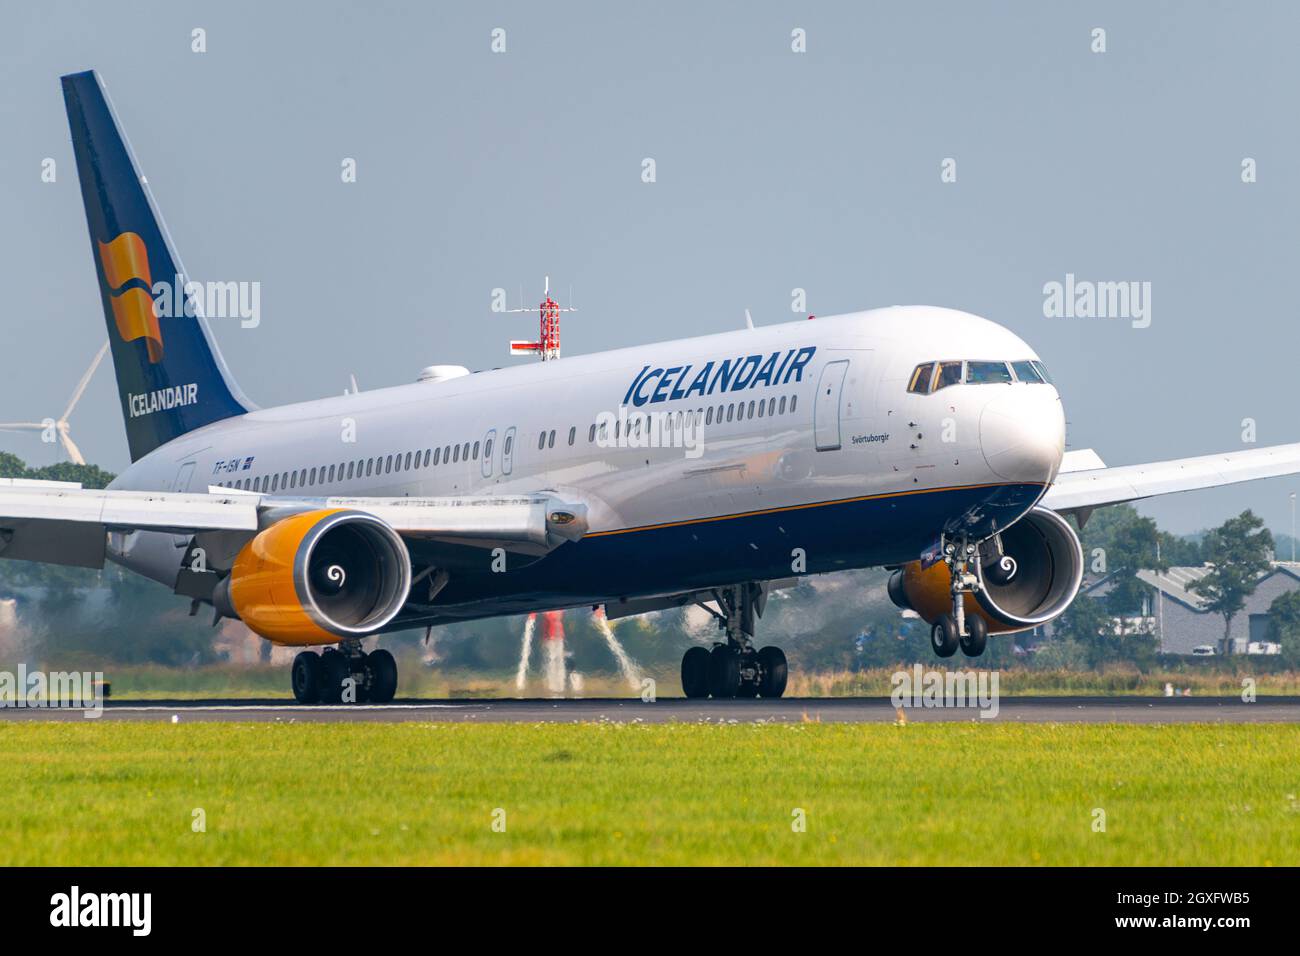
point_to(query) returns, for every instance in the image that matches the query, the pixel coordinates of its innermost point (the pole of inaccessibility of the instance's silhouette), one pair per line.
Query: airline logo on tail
(126, 270)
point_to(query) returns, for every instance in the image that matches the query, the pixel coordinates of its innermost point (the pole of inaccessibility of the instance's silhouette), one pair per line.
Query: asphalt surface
(1127, 710)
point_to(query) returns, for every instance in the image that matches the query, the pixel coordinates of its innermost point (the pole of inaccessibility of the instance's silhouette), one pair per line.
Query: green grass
(969, 794)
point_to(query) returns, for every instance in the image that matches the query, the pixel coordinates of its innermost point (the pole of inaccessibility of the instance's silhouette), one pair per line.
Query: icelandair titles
(163, 399)
(730, 375)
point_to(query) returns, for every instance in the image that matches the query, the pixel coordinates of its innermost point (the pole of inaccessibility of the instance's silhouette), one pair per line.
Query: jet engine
(1028, 576)
(317, 578)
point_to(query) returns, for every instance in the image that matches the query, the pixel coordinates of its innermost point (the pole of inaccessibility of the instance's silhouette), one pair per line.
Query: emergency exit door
(826, 410)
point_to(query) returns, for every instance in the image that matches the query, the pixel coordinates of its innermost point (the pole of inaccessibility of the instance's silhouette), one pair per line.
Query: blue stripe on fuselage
(755, 546)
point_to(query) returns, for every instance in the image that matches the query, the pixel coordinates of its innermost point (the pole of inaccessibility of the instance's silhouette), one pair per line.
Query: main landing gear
(733, 668)
(955, 630)
(345, 674)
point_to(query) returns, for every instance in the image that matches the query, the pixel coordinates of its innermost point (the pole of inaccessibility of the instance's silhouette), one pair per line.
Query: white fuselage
(843, 463)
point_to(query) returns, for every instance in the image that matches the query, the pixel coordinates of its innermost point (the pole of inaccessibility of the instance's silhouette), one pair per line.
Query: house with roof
(1177, 616)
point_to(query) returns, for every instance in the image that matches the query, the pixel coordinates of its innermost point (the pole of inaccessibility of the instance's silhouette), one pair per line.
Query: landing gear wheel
(943, 636)
(695, 672)
(306, 677)
(724, 672)
(773, 672)
(382, 669)
(335, 669)
(972, 644)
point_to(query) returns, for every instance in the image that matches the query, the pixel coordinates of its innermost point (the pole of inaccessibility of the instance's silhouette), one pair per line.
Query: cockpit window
(949, 374)
(921, 378)
(983, 373)
(929, 377)
(1025, 372)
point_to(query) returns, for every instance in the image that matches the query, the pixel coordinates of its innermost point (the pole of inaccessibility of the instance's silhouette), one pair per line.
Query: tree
(90, 476)
(11, 466)
(1284, 624)
(1238, 554)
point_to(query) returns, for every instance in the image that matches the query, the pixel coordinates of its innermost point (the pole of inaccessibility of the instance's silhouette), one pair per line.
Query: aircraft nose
(1022, 433)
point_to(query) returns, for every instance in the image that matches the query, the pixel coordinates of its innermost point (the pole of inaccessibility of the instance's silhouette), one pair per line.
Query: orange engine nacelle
(317, 578)
(1030, 581)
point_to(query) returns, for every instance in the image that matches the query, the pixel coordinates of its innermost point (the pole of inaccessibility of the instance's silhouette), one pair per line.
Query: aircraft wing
(1081, 486)
(63, 523)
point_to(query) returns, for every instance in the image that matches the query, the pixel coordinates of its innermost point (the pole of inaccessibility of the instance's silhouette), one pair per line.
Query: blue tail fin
(170, 377)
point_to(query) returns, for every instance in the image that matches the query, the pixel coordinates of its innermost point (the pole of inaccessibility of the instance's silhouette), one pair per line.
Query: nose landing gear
(957, 629)
(734, 668)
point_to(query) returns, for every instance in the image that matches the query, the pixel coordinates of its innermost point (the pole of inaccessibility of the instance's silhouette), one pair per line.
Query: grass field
(965, 794)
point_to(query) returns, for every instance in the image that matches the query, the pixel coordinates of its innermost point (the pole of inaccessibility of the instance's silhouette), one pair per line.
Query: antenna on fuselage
(547, 346)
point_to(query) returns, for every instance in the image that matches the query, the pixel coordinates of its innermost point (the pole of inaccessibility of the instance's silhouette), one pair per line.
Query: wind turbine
(61, 426)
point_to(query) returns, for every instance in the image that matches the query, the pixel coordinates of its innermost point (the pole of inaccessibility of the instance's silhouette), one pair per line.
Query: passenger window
(408, 461)
(573, 433)
(550, 442)
(591, 433)
(476, 451)
(922, 376)
(541, 441)
(708, 417)
(794, 400)
(1025, 372)
(455, 451)
(428, 455)
(464, 452)
(370, 467)
(351, 470)
(986, 373)
(731, 412)
(487, 449)
(510, 440)
(949, 374)
(437, 457)
(781, 407)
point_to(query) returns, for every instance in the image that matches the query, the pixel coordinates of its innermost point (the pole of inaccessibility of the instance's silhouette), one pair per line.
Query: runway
(864, 710)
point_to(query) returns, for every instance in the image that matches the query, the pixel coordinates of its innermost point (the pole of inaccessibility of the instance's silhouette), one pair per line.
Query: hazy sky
(775, 170)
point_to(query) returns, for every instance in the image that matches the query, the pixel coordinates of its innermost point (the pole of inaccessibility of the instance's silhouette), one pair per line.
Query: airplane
(707, 471)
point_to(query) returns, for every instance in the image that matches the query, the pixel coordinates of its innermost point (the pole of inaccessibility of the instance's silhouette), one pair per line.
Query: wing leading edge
(63, 523)
(1084, 489)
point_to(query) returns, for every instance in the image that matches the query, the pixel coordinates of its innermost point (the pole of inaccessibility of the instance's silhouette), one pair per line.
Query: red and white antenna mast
(547, 346)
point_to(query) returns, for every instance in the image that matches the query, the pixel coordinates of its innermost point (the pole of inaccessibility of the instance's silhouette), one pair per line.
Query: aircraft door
(180, 485)
(826, 410)
(508, 451)
(489, 447)
(182, 482)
